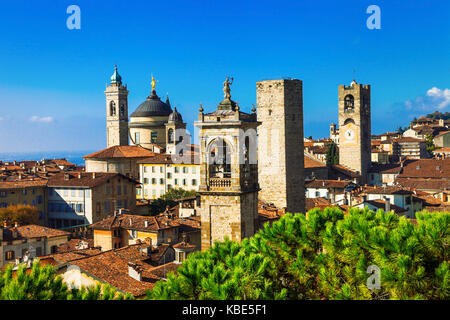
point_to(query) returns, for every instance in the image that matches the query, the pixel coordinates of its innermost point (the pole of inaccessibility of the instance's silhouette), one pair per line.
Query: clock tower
(355, 128)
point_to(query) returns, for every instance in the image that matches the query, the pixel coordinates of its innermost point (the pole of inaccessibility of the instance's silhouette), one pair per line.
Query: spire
(116, 78)
(168, 101)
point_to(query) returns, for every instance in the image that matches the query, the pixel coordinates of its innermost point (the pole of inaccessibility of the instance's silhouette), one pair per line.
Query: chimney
(388, 205)
(79, 175)
(16, 224)
(66, 176)
(45, 168)
(146, 223)
(146, 251)
(441, 123)
(134, 271)
(93, 175)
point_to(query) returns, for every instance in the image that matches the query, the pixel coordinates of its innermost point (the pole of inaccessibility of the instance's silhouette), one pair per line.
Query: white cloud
(434, 99)
(41, 119)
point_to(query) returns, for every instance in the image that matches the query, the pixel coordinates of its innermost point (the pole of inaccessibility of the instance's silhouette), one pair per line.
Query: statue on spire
(226, 88)
(154, 83)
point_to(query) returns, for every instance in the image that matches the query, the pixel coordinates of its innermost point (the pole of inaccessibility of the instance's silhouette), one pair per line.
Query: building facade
(228, 173)
(355, 128)
(280, 143)
(116, 112)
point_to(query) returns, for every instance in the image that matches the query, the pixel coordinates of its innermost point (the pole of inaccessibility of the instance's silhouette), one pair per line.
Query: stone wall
(280, 143)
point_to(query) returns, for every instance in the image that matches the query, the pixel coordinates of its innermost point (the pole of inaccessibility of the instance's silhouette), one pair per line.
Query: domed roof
(175, 116)
(151, 107)
(116, 78)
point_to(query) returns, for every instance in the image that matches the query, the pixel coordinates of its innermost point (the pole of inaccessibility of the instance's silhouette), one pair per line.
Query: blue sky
(52, 79)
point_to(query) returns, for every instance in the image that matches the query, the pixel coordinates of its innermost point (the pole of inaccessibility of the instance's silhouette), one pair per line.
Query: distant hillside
(439, 115)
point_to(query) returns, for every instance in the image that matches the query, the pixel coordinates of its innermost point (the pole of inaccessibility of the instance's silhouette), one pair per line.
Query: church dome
(175, 116)
(151, 107)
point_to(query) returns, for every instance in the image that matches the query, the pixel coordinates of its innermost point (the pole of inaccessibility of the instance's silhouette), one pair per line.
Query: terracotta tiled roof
(184, 245)
(424, 183)
(385, 190)
(388, 168)
(312, 163)
(86, 179)
(15, 183)
(73, 244)
(426, 168)
(32, 231)
(154, 223)
(112, 267)
(327, 183)
(381, 204)
(346, 171)
(121, 152)
(64, 257)
(63, 162)
(164, 158)
(163, 270)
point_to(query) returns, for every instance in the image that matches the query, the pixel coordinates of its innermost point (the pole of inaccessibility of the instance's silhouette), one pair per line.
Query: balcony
(219, 182)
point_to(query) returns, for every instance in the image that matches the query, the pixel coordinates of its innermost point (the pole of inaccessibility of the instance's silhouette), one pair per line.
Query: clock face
(349, 134)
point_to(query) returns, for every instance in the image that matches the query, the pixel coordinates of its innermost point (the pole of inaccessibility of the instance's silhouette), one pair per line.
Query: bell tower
(116, 111)
(175, 130)
(355, 128)
(228, 172)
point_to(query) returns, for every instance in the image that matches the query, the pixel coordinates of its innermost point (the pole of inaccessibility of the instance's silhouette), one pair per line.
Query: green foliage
(324, 255)
(178, 193)
(23, 214)
(430, 143)
(42, 283)
(159, 205)
(438, 115)
(332, 155)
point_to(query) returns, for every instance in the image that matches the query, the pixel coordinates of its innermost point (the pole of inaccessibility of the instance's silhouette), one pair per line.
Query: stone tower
(228, 172)
(354, 128)
(175, 130)
(280, 143)
(116, 112)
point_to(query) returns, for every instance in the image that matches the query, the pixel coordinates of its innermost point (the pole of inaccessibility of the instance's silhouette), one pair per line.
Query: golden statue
(153, 83)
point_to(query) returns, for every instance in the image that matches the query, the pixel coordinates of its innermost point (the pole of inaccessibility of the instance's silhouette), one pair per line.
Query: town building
(82, 198)
(163, 172)
(24, 243)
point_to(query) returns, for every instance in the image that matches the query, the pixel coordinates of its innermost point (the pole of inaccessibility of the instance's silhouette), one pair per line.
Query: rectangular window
(138, 191)
(119, 190)
(80, 193)
(194, 182)
(184, 182)
(161, 169)
(161, 181)
(154, 136)
(193, 169)
(107, 206)
(169, 175)
(38, 251)
(153, 169)
(73, 192)
(145, 168)
(176, 182)
(88, 193)
(108, 189)
(176, 170)
(124, 189)
(185, 170)
(119, 203)
(39, 199)
(24, 191)
(9, 255)
(146, 180)
(137, 139)
(153, 180)
(3, 194)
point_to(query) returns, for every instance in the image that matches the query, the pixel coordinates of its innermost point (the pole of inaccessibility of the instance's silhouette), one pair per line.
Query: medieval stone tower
(116, 112)
(280, 143)
(228, 172)
(175, 131)
(354, 128)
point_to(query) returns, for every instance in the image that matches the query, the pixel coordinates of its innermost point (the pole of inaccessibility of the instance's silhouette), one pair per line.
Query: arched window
(170, 134)
(219, 159)
(122, 110)
(112, 108)
(349, 103)
(348, 121)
